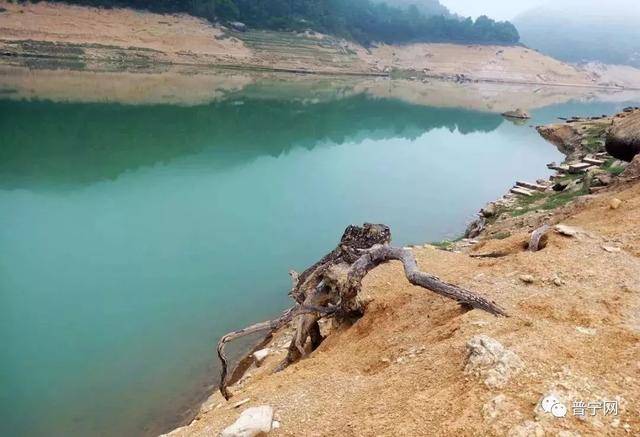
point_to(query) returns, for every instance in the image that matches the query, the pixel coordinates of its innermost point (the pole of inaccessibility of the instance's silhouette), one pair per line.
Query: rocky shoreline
(587, 169)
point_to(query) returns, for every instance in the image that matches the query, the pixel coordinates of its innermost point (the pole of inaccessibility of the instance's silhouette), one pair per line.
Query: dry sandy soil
(400, 369)
(99, 39)
(171, 34)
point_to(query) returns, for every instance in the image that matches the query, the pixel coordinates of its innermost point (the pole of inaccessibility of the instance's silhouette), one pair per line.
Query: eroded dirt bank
(403, 368)
(44, 34)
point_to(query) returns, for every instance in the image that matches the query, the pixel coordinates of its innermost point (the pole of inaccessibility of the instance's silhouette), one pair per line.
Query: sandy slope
(400, 369)
(170, 34)
(481, 62)
(99, 39)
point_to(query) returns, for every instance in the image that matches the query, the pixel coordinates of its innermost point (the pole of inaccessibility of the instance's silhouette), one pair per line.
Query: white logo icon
(551, 404)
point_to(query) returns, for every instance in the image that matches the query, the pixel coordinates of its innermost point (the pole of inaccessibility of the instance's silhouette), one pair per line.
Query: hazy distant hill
(427, 7)
(573, 31)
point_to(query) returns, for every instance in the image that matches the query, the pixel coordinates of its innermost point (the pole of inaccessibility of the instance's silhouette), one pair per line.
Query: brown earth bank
(418, 364)
(82, 38)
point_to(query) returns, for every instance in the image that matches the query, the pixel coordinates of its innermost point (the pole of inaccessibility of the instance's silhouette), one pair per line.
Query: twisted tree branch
(271, 325)
(331, 286)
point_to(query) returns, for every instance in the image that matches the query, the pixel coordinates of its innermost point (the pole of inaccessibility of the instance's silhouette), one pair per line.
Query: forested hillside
(427, 7)
(365, 21)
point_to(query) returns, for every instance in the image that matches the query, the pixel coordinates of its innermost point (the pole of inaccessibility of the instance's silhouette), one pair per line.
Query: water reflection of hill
(79, 143)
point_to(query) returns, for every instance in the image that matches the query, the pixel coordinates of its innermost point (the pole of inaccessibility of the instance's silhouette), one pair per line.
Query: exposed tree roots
(330, 288)
(539, 238)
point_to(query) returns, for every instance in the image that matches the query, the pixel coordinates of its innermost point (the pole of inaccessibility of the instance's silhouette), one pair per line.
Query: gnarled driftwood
(330, 288)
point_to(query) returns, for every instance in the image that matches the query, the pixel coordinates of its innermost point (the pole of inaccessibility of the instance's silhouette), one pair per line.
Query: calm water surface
(132, 237)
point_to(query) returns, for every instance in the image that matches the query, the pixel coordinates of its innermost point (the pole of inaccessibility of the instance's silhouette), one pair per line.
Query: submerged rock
(518, 113)
(252, 422)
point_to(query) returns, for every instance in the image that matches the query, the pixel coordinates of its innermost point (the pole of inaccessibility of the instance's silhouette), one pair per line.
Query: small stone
(615, 203)
(558, 282)
(567, 231)
(604, 179)
(620, 164)
(527, 279)
(494, 407)
(527, 429)
(259, 356)
(275, 424)
(611, 249)
(252, 422)
(489, 210)
(586, 331)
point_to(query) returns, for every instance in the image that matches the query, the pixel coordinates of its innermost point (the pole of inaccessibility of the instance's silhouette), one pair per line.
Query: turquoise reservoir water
(132, 237)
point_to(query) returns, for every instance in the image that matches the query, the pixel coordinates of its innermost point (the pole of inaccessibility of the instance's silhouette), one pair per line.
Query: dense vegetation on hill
(365, 21)
(427, 7)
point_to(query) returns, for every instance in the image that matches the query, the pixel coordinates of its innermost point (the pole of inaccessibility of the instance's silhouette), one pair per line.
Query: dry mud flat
(122, 39)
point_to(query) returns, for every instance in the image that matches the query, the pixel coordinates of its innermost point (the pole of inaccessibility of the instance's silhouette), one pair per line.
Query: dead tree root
(330, 288)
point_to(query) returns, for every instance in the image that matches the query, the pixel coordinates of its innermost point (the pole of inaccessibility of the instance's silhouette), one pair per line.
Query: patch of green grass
(446, 244)
(556, 200)
(524, 204)
(547, 202)
(443, 245)
(614, 170)
(502, 235)
(594, 138)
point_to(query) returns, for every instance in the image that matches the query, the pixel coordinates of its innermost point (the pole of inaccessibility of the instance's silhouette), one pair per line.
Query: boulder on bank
(623, 138)
(518, 113)
(259, 356)
(238, 26)
(489, 359)
(252, 422)
(633, 170)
